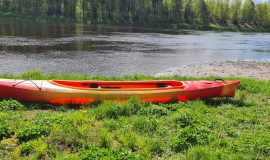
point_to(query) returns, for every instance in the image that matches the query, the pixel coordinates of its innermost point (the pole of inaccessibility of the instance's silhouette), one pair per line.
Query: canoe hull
(57, 93)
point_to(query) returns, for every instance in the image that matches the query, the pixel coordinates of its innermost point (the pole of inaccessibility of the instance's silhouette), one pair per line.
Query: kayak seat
(161, 85)
(94, 85)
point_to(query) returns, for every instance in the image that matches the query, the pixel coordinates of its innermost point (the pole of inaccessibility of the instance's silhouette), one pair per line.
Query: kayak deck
(86, 92)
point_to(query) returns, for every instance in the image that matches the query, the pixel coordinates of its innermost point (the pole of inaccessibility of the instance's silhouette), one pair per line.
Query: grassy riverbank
(235, 128)
(60, 19)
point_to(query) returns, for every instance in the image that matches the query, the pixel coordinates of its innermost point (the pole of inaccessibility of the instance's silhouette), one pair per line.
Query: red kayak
(86, 92)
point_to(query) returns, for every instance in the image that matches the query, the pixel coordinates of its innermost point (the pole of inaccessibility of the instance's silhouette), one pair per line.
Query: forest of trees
(198, 12)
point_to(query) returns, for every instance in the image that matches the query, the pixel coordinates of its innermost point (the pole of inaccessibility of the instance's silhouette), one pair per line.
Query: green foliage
(4, 130)
(32, 74)
(263, 14)
(114, 110)
(186, 118)
(6, 125)
(7, 146)
(247, 11)
(189, 137)
(173, 106)
(28, 131)
(37, 146)
(104, 139)
(142, 12)
(129, 139)
(110, 124)
(234, 12)
(106, 154)
(39, 126)
(108, 110)
(155, 110)
(255, 144)
(156, 147)
(68, 137)
(11, 105)
(205, 153)
(145, 125)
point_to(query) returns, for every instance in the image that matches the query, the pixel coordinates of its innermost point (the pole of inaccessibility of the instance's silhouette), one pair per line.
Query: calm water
(114, 50)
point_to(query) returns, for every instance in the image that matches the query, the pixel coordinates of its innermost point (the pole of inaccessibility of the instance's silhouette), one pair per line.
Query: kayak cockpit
(119, 84)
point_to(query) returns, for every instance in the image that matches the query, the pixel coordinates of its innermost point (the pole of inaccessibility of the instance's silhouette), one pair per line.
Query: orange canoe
(86, 92)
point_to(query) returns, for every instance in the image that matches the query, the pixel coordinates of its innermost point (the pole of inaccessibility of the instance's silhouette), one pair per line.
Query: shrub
(28, 131)
(190, 136)
(27, 148)
(40, 125)
(155, 147)
(8, 145)
(129, 139)
(112, 154)
(66, 137)
(232, 133)
(156, 110)
(114, 110)
(104, 139)
(5, 125)
(11, 105)
(185, 118)
(222, 143)
(79, 118)
(49, 119)
(205, 153)
(107, 110)
(173, 106)
(145, 125)
(256, 144)
(110, 124)
(4, 131)
(132, 107)
(37, 146)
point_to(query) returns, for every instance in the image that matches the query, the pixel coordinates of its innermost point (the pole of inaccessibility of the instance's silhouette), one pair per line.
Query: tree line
(198, 12)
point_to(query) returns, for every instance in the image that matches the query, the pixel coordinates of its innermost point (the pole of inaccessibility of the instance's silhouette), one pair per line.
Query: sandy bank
(257, 70)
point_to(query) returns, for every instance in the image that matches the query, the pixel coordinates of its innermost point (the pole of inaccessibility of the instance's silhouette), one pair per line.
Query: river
(120, 50)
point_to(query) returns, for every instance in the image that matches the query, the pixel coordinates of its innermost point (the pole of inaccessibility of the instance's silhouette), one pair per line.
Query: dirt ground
(257, 70)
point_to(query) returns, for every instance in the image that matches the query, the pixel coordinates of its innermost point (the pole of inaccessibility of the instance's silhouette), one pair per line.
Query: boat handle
(219, 79)
(25, 81)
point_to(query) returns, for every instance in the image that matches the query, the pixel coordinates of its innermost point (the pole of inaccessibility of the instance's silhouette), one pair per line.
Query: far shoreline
(181, 26)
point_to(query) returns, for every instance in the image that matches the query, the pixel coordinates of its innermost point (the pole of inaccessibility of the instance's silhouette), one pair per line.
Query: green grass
(234, 128)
